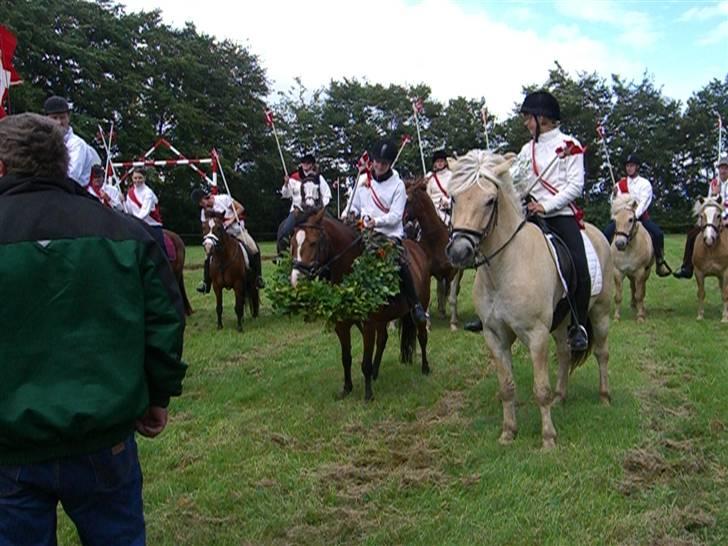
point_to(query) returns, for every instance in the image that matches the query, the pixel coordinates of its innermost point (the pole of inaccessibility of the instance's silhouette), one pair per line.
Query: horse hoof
(425, 370)
(368, 397)
(549, 444)
(343, 393)
(506, 437)
(219, 326)
(453, 327)
(700, 317)
(605, 399)
(375, 374)
(559, 400)
(724, 320)
(640, 319)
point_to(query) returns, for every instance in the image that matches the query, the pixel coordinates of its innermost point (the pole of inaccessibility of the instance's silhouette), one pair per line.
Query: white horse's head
(625, 220)
(480, 181)
(709, 211)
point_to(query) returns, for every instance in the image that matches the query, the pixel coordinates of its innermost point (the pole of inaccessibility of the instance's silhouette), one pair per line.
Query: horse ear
(701, 200)
(720, 200)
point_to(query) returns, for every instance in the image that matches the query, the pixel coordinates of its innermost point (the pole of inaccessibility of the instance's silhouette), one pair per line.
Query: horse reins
(313, 269)
(632, 231)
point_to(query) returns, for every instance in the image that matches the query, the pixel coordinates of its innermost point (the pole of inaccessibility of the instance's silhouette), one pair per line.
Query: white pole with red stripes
(602, 137)
(720, 135)
(484, 116)
(406, 139)
(271, 123)
(419, 106)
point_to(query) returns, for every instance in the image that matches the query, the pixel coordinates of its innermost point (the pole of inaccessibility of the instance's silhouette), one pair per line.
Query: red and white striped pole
(418, 106)
(271, 123)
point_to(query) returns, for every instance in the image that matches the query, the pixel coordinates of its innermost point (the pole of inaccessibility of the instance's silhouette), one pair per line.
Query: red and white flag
(269, 117)
(8, 75)
(363, 161)
(601, 132)
(418, 105)
(569, 148)
(406, 139)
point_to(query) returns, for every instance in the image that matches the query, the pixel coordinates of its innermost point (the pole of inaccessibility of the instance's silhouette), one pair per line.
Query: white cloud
(716, 34)
(454, 50)
(704, 13)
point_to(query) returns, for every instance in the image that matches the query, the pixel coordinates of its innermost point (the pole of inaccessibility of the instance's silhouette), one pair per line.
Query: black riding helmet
(541, 103)
(439, 154)
(384, 150)
(632, 158)
(198, 194)
(56, 105)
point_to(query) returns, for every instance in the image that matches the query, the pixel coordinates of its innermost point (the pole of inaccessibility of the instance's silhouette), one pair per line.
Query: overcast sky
(470, 48)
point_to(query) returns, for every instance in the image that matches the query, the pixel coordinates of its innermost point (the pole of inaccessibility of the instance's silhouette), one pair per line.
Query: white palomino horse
(632, 254)
(518, 287)
(710, 256)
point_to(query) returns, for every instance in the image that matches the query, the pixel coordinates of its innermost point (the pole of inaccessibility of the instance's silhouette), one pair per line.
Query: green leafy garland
(373, 280)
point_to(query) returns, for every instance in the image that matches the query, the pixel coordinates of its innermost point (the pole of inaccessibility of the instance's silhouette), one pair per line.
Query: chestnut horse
(228, 270)
(177, 261)
(710, 256)
(322, 246)
(434, 239)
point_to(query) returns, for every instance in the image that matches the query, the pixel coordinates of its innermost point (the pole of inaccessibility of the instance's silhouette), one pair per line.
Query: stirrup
(662, 269)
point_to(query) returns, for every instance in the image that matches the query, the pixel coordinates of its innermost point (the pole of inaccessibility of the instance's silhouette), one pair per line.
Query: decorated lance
(362, 162)
(270, 123)
(417, 107)
(109, 165)
(484, 116)
(216, 158)
(569, 148)
(603, 139)
(406, 139)
(720, 134)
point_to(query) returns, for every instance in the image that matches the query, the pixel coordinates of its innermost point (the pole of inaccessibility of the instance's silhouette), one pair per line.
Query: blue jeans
(101, 492)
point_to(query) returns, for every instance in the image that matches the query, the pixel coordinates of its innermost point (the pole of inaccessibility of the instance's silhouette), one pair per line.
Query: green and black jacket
(91, 322)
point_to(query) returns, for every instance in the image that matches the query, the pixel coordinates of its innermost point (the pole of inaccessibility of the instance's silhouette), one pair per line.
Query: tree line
(198, 92)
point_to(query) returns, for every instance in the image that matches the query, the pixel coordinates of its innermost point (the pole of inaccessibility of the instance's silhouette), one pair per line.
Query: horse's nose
(620, 243)
(459, 251)
(207, 245)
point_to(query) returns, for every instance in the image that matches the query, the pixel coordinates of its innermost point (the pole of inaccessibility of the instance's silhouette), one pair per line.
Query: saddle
(169, 247)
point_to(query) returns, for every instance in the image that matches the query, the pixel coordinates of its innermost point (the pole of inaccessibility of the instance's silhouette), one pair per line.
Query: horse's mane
(303, 216)
(621, 202)
(469, 169)
(704, 202)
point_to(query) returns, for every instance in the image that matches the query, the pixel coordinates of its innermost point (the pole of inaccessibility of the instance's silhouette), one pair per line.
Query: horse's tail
(578, 358)
(407, 339)
(253, 296)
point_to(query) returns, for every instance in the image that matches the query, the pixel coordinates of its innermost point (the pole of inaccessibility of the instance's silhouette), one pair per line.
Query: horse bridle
(475, 238)
(632, 231)
(313, 269)
(707, 225)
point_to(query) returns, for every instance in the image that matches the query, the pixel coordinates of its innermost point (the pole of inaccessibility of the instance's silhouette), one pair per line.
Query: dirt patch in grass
(390, 455)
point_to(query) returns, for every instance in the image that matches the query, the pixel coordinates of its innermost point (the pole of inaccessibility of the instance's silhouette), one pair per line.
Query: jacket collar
(12, 184)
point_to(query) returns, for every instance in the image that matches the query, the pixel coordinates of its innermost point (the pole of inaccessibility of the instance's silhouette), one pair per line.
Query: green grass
(259, 452)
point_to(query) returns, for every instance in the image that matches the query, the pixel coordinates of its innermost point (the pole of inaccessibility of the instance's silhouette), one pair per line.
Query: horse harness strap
(632, 231)
(314, 270)
(485, 260)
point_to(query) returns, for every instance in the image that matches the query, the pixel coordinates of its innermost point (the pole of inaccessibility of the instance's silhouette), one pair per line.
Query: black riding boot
(206, 284)
(410, 294)
(475, 325)
(686, 270)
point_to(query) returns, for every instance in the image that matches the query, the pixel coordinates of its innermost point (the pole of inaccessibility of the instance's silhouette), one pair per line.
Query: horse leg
(599, 316)
(368, 334)
(442, 288)
(640, 286)
(453, 299)
(343, 332)
(218, 306)
(240, 303)
(563, 354)
(422, 337)
(633, 290)
(382, 336)
(700, 279)
(501, 350)
(539, 348)
(618, 276)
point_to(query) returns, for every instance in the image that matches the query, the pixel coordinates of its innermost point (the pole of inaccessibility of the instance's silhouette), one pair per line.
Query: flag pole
(272, 125)
(419, 138)
(405, 140)
(484, 115)
(720, 135)
(603, 139)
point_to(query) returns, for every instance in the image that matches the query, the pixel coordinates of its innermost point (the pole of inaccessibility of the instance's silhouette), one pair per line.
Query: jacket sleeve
(286, 190)
(164, 325)
(644, 198)
(76, 159)
(574, 172)
(396, 209)
(324, 190)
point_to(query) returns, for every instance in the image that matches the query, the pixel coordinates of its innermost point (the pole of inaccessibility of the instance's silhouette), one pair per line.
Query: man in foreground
(82, 366)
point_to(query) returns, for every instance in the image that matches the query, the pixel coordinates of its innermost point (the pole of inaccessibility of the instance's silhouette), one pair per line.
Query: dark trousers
(658, 239)
(568, 230)
(101, 492)
(689, 247)
(284, 233)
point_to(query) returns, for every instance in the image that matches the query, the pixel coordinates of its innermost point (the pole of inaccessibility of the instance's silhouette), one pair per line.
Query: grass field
(259, 452)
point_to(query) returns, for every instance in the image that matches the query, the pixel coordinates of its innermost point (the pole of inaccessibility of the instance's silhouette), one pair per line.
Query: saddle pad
(592, 260)
(245, 254)
(169, 247)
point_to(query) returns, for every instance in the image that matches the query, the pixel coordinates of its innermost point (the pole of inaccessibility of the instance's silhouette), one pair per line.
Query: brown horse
(710, 256)
(434, 239)
(228, 270)
(324, 246)
(177, 261)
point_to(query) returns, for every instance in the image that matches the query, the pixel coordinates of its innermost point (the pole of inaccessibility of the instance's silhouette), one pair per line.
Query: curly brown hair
(32, 145)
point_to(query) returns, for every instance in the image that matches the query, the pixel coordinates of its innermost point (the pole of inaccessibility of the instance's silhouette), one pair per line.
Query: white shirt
(391, 195)
(566, 175)
(292, 190)
(440, 199)
(639, 189)
(722, 191)
(81, 157)
(147, 199)
(222, 204)
(112, 192)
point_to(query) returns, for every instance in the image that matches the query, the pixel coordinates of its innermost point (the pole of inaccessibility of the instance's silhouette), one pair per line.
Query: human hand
(152, 423)
(534, 207)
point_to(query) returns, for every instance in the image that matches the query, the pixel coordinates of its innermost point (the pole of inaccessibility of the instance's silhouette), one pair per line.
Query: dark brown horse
(228, 270)
(433, 240)
(324, 246)
(177, 261)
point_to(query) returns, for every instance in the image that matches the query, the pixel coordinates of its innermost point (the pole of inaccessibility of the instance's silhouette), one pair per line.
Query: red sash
(375, 197)
(437, 181)
(578, 213)
(623, 186)
(155, 213)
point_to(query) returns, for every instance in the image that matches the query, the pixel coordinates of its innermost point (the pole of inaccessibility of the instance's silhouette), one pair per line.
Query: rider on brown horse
(438, 183)
(380, 203)
(232, 213)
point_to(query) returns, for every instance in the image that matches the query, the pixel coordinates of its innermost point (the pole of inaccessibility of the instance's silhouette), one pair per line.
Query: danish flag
(8, 75)
(418, 105)
(269, 117)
